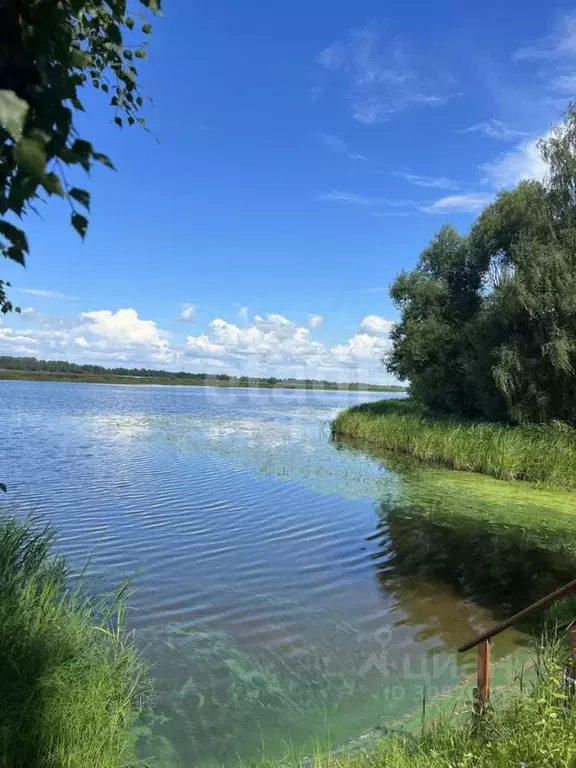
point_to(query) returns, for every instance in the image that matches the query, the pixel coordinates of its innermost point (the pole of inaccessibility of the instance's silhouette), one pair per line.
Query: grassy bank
(537, 454)
(87, 378)
(530, 724)
(69, 674)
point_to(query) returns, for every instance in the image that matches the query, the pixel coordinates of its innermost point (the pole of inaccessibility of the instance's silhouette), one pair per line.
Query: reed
(538, 454)
(70, 677)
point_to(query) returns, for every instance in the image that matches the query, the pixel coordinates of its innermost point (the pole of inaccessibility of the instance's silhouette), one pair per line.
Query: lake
(285, 587)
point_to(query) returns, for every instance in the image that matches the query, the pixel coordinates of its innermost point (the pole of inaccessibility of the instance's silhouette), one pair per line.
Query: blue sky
(306, 153)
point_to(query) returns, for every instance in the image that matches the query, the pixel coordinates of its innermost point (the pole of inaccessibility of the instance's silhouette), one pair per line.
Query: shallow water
(285, 587)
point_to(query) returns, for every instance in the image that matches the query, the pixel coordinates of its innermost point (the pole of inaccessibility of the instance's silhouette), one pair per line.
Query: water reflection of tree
(450, 570)
(425, 563)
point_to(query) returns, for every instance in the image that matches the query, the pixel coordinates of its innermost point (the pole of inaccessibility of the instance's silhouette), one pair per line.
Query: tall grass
(531, 725)
(544, 454)
(70, 676)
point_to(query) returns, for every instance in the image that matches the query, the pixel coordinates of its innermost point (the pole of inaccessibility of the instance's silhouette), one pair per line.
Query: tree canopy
(488, 319)
(49, 51)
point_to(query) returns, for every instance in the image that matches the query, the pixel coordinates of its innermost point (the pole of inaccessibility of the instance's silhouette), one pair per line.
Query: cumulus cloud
(361, 348)
(314, 321)
(270, 345)
(522, 162)
(375, 325)
(123, 326)
(187, 313)
(99, 336)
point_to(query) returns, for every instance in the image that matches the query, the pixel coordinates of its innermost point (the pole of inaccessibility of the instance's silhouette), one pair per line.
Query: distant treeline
(28, 366)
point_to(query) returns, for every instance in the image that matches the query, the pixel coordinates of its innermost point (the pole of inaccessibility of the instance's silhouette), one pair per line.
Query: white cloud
(561, 43)
(243, 312)
(339, 146)
(466, 203)
(494, 129)
(430, 182)
(47, 294)
(523, 162)
(391, 214)
(353, 198)
(187, 313)
(270, 345)
(273, 338)
(565, 83)
(375, 325)
(379, 76)
(123, 326)
(360, 348)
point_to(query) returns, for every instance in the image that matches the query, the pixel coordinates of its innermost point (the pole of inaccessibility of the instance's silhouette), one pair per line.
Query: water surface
(285, 586)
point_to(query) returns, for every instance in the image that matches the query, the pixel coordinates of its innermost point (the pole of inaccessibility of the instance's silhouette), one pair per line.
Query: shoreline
(167, 381)
(542, 455)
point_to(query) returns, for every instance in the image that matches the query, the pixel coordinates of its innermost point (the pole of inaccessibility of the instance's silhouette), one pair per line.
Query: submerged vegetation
(539, 454)
(533, 723)
(70, 677)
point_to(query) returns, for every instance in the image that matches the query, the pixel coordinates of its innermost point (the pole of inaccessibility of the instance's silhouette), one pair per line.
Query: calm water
(285, 587)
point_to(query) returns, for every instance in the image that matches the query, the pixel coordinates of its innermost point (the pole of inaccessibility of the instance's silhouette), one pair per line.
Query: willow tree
(488, 321)
(50, 51)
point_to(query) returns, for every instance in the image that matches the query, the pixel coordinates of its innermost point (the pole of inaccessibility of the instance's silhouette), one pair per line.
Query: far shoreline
(162, 381)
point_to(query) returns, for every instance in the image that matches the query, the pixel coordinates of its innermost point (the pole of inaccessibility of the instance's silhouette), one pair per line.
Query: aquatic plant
(533, 723)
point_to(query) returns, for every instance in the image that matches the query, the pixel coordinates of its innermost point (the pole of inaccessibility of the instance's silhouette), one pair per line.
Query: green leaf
(140, 54)
(13, 111)
(31, 154)
(15, 235)
(147, 29)
(16, 254)
(129, 21)
(80, 224)
(82, 196)
(104, 159)
(80, 59)
(118, 121)
(80, 152)
(154, 5)
(114, 34)
(3, 488)
(53, 185)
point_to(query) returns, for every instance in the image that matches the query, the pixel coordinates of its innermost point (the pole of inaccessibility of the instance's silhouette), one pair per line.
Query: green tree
(431, 345)
(488, 321)
(49, 51)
